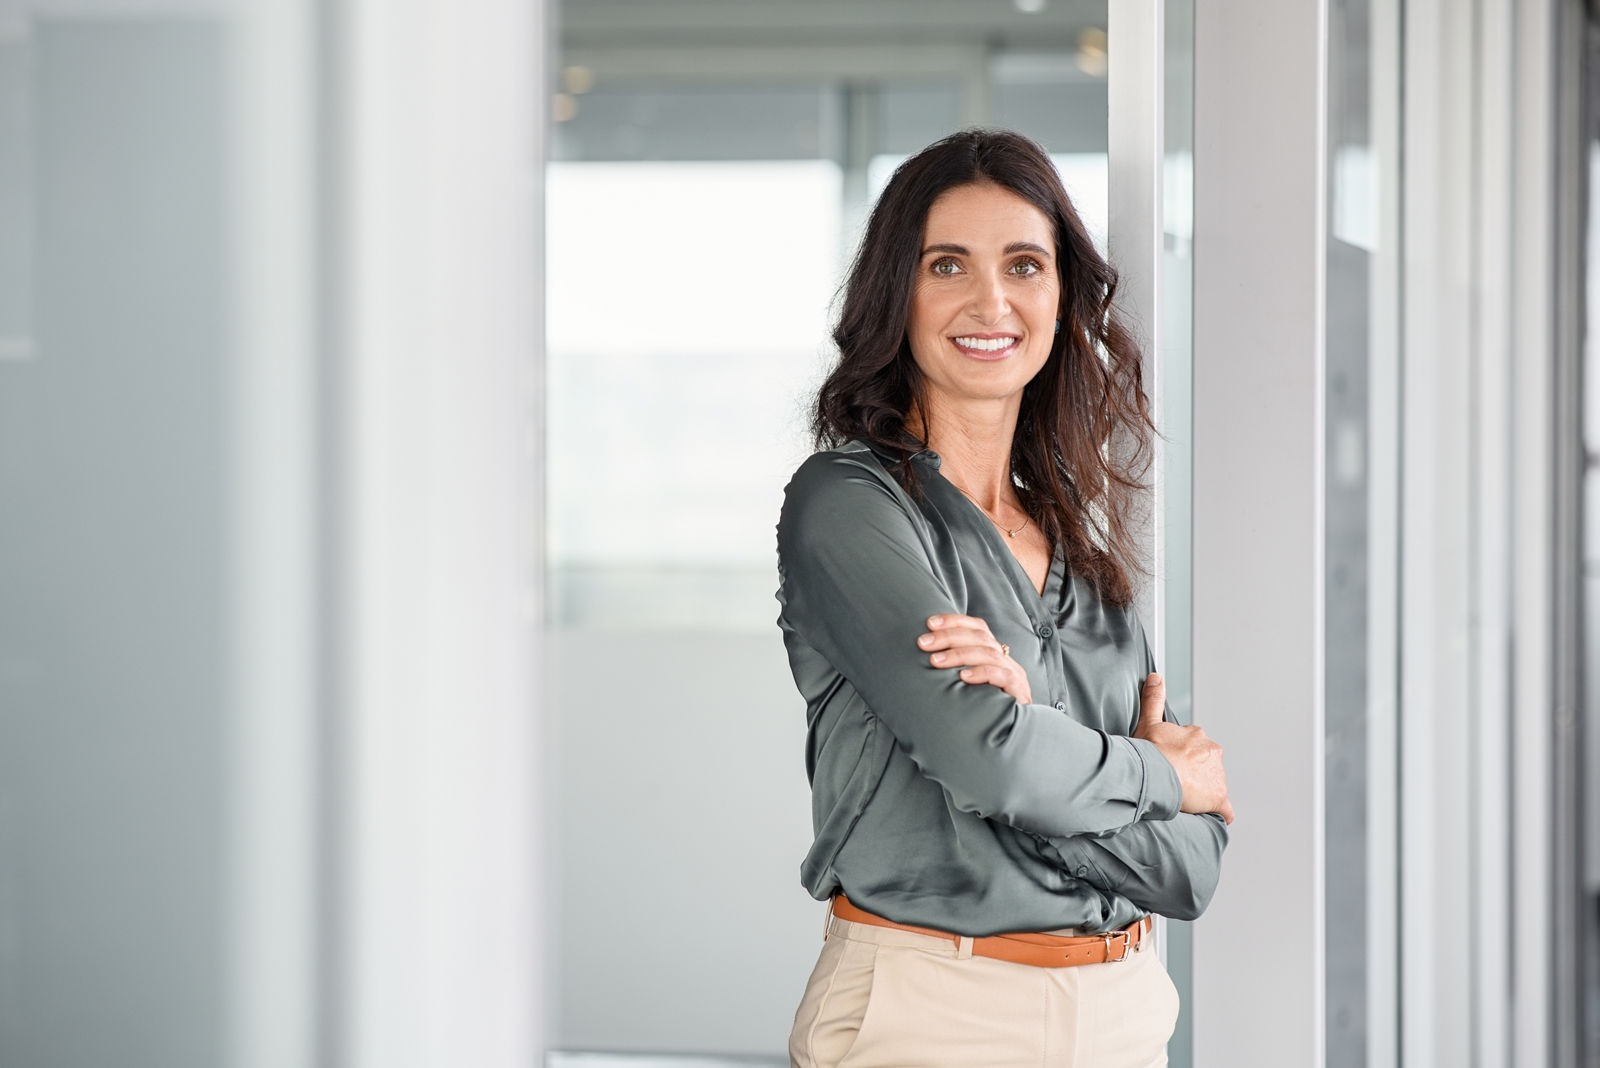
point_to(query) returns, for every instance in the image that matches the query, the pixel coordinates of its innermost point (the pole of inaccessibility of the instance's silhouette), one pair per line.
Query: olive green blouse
(952, 805)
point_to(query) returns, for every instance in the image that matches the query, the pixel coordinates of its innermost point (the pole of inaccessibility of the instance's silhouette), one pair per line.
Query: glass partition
(1360, 585)
(1589, 657)
(1177, 425)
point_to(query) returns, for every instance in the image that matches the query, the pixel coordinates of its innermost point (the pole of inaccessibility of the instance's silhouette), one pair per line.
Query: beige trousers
(879, 997)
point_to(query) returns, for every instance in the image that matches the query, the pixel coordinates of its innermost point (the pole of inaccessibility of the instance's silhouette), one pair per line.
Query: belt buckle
(1108, 936)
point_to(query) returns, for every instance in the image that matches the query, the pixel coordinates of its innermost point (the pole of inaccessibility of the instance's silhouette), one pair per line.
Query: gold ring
(1005, 650)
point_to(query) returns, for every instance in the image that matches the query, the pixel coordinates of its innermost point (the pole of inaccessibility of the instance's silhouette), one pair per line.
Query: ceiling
(705, 23)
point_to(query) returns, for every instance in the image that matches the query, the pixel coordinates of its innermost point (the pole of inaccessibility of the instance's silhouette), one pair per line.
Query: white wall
(1260, 76)
(682, 817)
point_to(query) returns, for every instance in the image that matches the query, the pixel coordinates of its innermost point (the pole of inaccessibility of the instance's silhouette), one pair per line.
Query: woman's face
(984, 304)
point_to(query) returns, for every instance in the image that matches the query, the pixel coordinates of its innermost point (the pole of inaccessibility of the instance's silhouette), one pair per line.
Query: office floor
(559, 1059)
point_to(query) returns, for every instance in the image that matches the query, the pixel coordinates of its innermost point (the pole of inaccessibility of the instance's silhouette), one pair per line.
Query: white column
(1489, 578)
(1436, 695)
(386, 754)
(1260, 208)
(1383, 546)
(440, 345)
(272, 952)
(1137, 42)
(1482, 287)
(1532, 535)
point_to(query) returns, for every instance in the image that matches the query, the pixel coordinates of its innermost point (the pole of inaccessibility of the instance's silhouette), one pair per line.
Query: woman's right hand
(966, 642)
(1196, 758)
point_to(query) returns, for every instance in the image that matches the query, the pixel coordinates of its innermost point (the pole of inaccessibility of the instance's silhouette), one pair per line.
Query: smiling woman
(999, 804)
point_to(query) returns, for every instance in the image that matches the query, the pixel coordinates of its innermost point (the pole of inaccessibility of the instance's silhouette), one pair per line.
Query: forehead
(984, 213)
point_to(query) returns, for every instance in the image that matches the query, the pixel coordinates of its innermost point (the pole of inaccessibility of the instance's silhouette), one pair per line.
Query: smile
(987, 348)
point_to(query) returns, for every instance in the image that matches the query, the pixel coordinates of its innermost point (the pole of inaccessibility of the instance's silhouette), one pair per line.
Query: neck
(974, 447)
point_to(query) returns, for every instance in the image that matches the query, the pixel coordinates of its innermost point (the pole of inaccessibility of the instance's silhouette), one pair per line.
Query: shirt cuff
(1102, 871)
(1160, 792)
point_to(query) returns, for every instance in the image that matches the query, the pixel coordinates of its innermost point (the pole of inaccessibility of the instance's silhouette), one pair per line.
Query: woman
(987, 746)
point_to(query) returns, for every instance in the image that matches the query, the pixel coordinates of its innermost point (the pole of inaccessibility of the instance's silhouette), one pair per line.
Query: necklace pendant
(1011, 533)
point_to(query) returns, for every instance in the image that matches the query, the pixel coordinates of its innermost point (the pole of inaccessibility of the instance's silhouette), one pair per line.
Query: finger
(1226, 811)
(950, 619)
(953, 639)
(1152, 705)
(967, 656)
(1001, 677)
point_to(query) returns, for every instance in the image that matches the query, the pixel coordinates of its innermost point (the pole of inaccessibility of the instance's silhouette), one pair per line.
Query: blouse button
(1045, 630)
(1083, 870)
(1061, 706)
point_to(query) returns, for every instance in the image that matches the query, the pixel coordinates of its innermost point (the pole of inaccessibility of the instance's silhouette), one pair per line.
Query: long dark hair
(1083, 440)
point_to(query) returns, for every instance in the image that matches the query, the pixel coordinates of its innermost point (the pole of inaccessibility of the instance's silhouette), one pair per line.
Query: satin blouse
(952, 805)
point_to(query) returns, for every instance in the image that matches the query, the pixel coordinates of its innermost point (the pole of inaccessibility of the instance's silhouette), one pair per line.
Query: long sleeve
(1171, 867)
(858, 582)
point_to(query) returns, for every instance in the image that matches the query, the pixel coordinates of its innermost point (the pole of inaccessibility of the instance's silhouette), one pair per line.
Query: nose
(989, 303)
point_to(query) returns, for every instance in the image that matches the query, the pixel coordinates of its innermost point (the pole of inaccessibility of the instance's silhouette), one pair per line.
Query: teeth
(994, 344)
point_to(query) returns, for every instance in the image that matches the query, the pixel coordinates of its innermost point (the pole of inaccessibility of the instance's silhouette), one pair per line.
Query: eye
(945, 266)
(1026, 267)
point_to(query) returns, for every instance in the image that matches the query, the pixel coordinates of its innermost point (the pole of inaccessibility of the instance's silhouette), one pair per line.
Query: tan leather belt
(1039, 950)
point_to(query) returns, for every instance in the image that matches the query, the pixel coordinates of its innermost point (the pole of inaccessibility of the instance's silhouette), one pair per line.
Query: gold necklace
(992, 519)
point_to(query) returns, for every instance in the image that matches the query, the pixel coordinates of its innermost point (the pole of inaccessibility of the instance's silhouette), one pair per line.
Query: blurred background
(396, 400)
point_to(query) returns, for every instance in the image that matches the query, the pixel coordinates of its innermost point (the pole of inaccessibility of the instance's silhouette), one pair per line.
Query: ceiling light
(577, 80)
(1091, 57)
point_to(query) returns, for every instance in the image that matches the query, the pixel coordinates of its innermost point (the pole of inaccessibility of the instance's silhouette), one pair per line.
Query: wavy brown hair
(1083, 440)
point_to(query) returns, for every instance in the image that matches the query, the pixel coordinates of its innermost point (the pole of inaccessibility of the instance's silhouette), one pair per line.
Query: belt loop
(827, 917)
(963, 948)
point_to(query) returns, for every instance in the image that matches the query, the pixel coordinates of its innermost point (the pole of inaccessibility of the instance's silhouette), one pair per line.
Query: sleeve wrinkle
(1171, 868)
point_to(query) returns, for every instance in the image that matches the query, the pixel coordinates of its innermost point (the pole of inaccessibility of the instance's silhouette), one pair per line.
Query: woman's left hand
(965, 642)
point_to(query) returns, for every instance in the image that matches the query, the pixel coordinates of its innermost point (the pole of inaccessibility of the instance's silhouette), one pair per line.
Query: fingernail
(966, 673)
(934, 621)
(926, 639)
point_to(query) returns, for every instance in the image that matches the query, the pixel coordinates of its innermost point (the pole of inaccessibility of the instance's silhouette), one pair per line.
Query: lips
(992, 347)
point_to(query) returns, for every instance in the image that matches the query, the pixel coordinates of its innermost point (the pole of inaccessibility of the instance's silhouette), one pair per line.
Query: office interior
(396, 399)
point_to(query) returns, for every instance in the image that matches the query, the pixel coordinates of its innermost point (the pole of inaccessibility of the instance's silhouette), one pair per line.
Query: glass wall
(114, 497)
(1177, 426)
(267, 736)
(1589, 716)
(1361, 530)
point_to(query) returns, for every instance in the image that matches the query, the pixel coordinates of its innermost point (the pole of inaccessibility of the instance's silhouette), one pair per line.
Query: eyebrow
(1015, 246)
